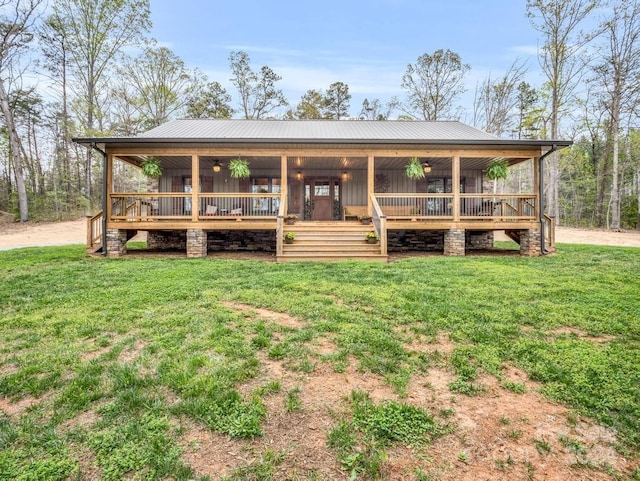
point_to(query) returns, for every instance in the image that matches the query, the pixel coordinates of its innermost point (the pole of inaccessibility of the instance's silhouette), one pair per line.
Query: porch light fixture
(299, 175)
(345, 175)
(217, 166)
(426, 167)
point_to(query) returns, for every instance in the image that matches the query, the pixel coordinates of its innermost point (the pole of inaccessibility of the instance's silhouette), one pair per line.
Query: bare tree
(55, 61)
(496, 101)
(258, 93)
(16, 22)
(618, 73)
(160, 83)
(558, 22)
(433, 84)
(374, 110)
(96, 31)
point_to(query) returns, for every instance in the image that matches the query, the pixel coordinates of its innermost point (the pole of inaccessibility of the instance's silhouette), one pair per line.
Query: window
(266, 185)
(321, 189)
(442, 185)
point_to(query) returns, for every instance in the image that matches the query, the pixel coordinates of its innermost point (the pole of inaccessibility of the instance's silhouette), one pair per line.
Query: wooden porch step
(333, 257)
(330, 241)
(318, 247)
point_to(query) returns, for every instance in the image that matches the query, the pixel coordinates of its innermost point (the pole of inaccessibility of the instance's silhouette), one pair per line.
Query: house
(327, 173)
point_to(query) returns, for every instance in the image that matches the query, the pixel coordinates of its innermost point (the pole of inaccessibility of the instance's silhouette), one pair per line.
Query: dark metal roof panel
(270, 130)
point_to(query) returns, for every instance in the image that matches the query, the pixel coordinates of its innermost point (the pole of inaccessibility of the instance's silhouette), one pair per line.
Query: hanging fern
(151, 167)
(239, 168)
(413, 169)
(497, 169)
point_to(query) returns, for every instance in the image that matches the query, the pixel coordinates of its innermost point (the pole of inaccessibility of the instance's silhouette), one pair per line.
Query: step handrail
(549, 231)
(94, 230)
(380, 224)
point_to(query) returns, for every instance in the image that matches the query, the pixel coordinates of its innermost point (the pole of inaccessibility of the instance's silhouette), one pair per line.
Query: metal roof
(274, 130)
(317, 132)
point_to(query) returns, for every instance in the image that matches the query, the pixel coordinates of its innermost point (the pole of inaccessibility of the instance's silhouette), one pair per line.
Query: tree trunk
(14, 143)
(638, 195)
(615, 194)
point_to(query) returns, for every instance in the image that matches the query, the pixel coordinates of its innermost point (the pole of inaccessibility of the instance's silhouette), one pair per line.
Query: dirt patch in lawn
(14, 409)
(275, 317)
(496, 435)
(574, 331)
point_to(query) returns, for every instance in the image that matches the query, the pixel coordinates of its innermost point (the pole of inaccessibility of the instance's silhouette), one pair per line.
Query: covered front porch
(196, 193)
(325, 174)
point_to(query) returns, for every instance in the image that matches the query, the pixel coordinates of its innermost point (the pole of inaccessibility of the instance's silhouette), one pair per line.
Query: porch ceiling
(311, 163)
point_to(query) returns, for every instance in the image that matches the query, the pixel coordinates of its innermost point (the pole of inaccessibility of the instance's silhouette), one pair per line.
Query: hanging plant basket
(239, 168)
(151, 167)
(413, 170)
(497, 169)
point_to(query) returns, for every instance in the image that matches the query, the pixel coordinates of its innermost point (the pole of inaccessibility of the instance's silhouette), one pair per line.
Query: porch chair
(211, 210)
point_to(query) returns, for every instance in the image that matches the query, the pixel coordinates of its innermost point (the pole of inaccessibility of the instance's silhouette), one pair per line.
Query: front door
(322, 193)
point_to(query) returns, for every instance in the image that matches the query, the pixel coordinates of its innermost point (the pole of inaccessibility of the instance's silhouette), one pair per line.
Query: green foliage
(262, 469)
(239, 168)
(336, 103)
(413, 169)
(497, 169)
(360, 441)
(116, 352)
(293, 401)
(310, 106)
(392, 421)
(543, 446)
(210, 102)
(516, 387)
(151, 167)
(140, 445)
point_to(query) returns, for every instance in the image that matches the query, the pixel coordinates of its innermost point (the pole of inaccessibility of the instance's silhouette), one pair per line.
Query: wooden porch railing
(95, 236)
(416, 206)
(498, 206)
(263, 205)
(503, 207)
(134, 207)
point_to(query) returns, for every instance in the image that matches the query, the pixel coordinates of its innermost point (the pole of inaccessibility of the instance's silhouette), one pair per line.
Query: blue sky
(366, 44)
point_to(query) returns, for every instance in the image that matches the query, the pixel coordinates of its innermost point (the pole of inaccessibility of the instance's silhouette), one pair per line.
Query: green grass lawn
(65, 320)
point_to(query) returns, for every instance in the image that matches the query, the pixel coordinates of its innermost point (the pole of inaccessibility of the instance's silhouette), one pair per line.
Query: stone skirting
(530, 243)
(242, 240)
(116, 242)
(478, 240)
(167, 240)
(216, 241)
(199, 242)
(454, 242)
(415, 240)
(196, 243)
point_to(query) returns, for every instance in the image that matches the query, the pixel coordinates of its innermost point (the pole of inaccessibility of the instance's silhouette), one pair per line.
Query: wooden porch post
(195, 187)
(109, 190)
(536, 187)
(455, 181)
(370, 183)
(284, 184)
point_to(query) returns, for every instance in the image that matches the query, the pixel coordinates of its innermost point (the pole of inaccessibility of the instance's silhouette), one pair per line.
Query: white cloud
(525, 50)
